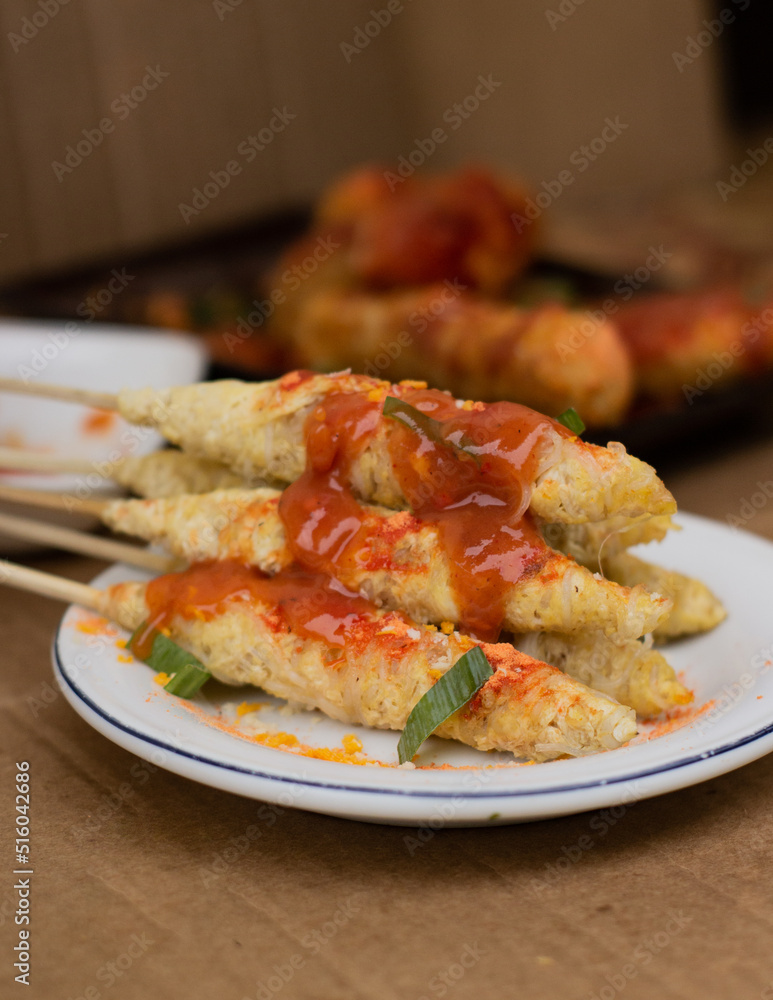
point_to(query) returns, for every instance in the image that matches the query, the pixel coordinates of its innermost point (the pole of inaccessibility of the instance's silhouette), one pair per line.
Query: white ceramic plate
(105, 357)
(730, 666)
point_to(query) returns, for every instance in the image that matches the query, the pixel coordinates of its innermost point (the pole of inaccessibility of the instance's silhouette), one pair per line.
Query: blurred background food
(564, 205)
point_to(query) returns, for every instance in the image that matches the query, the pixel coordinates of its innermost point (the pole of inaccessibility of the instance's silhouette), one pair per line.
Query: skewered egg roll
(475, 349)
(683, 344)
(301, 640)
(391, 558)
(170, 472)
(587, 542)
(601, 547)
(260, 429)
(628, 670)
(695, 608)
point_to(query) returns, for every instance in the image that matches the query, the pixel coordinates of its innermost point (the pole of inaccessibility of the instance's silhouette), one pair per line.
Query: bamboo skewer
(66, 393)
(89, 545)
(53, 501)
(48, 585)
(22, 460)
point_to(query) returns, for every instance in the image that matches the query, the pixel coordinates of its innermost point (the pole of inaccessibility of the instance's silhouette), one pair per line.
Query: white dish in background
(729, 666)
(103, 357)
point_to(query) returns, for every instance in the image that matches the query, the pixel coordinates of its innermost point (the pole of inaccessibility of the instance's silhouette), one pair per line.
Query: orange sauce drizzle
(476, 495)
(471, 480)
(310, 604)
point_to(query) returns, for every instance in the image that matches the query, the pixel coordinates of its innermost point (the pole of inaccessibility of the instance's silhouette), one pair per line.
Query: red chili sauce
(471, 478)
(310, 604)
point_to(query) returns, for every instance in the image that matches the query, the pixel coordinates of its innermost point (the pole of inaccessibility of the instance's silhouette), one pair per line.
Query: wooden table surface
(146, 886)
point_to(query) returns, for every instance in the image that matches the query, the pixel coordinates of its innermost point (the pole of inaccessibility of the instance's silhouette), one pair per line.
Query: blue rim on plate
(681, 758)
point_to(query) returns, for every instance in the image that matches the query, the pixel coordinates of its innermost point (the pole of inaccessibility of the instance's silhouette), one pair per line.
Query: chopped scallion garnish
(422, 423)
(452, 691)
(186, 673)
(571, 418)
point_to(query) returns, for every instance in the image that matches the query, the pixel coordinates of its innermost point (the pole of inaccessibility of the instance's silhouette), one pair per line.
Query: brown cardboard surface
(227, 65)
(146, 885)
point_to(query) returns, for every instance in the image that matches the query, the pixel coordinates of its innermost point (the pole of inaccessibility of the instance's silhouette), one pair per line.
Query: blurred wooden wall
(357, 93)
(562, 75)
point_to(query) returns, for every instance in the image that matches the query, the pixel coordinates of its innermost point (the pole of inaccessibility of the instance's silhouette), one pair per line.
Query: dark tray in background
(677, 436)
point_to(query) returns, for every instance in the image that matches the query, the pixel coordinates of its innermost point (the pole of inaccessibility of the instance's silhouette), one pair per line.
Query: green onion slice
(422, 423)
(453, 690)
(571, 418)
(186, 673)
